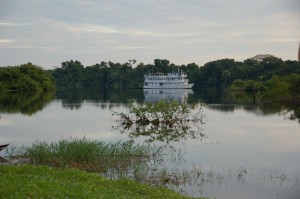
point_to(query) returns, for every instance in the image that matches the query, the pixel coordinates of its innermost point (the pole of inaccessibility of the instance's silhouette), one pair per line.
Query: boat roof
(162, 74)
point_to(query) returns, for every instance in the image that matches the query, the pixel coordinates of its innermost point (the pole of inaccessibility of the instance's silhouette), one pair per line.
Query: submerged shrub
(164, 121)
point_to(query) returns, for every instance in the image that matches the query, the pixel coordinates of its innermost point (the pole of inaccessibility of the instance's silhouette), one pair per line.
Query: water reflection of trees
(25, 103)
(104, 98)
(164, 132)
(290, 111)
(228, 101)
(216, 99)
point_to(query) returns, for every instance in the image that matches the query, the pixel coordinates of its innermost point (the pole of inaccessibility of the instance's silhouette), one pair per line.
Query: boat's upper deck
(161, 75)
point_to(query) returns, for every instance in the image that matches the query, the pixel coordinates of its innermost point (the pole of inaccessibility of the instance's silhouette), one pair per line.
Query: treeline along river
(244, 148)
(265, 73)
(219, 73)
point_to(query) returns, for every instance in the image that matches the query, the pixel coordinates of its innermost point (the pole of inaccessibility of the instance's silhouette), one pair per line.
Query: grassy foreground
(28, 181)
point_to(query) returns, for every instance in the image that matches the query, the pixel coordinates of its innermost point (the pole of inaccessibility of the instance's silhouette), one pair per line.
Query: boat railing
(180, 74)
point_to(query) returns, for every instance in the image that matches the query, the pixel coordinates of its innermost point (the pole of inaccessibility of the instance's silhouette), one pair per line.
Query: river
(245, 148)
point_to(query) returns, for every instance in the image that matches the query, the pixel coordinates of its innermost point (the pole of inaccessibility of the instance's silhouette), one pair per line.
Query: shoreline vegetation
(26, 78)
(276, 89)
(265, 73)
(87, 155)
(81, 168)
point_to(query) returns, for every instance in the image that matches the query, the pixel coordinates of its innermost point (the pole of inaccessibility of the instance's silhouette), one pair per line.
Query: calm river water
(245, 149)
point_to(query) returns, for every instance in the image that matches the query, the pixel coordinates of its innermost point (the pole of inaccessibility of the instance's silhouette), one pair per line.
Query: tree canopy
(219, 73)
(26, 77)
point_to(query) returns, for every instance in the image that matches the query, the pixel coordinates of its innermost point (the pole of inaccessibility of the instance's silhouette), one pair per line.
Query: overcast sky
(48, 32)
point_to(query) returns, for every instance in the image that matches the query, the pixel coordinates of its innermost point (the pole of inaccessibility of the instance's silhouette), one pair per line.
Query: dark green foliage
(216, 73)
(162, 65)
(103, 75)
(277, 88)
(70, 75)
(96, 75)
(247, 85)
(219, 73)
(294, 84)
(107, 74)
(222, 73)
(26, 77)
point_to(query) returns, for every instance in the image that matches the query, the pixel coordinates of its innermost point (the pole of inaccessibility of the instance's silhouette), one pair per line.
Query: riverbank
(29, 181)
(82, 168)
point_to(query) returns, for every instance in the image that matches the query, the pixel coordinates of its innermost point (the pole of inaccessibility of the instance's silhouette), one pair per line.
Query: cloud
(9, 24)
(92, 28)
(6, 41)
(182, 31)
(160, 34)
(129, 47)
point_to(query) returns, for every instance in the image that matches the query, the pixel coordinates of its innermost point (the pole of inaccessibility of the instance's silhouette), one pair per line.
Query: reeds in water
(90, 155)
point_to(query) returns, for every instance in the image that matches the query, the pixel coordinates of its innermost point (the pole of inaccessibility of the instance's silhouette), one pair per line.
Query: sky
(49, 32)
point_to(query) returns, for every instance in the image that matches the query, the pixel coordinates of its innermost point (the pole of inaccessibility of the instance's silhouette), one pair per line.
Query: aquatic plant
(163, 121)
(88, 155)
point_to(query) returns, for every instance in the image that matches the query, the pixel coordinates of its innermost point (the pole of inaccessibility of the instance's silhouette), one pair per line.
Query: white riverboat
(174, 80)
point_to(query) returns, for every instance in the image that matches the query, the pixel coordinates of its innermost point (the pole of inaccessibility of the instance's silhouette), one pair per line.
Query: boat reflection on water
(154, 95)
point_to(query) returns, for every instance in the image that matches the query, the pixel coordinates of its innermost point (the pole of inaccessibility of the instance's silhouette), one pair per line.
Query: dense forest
(220, 73)
(261, 72)
(26, 77)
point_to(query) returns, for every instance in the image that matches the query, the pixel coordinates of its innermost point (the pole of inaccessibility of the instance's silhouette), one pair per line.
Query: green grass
(59, 170)
(88, 155)
(28, 181)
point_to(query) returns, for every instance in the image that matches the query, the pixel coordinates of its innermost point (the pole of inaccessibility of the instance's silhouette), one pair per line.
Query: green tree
(294, 84)
(26, 77)
(161, 65)
(277, 88)
(70, 75)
